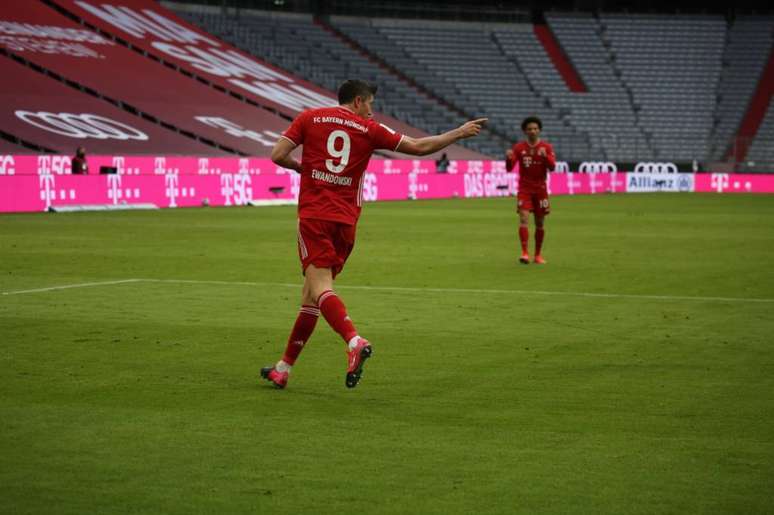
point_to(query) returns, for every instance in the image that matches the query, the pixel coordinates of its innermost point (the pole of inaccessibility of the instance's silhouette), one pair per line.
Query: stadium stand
(8, 147)
(146, 87)
(609, 86)
(749, 41)
(56, 116)
(606, 112)
(160, 34)
(671, 65)
(760, 155)
(298, 44)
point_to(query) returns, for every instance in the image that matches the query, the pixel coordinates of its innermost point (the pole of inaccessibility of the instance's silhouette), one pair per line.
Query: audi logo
(655, 168)
(597, 167)
(81, 126)
(561, 167)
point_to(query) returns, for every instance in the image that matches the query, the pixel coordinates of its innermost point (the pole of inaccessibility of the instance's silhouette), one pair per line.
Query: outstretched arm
(280, 155)
(510, 160)
(430, 144)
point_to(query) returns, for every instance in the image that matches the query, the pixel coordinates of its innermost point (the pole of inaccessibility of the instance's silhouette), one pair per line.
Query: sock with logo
(524, 237)
(335, 314)
(539, 234)
(302, 330)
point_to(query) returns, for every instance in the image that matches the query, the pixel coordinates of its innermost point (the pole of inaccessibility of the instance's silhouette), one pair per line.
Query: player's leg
(542, 209)
(539, 236)
(524, 234)
(335, 313)
(306, 320)
(318, 285)
(319, 280)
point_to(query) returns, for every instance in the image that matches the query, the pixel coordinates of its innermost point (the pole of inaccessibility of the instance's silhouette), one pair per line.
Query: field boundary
(407, 289)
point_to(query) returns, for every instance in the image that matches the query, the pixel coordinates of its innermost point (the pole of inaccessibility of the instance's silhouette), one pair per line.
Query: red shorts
(324, 244)
(535, 202)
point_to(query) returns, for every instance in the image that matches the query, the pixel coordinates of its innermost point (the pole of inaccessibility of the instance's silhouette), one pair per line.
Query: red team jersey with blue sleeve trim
(337, 145)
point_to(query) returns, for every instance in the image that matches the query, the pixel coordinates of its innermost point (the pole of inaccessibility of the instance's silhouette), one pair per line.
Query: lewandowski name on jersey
(331, 178)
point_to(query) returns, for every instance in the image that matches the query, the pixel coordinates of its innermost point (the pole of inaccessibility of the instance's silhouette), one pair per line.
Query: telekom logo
(594, 182)
(227, 187)
(572, 184)
(160, 165)
(203, 166)
(114, 187)
(47, 182)
(719, 182)
(171, 190)
(244, 166)
(119, 164)
(614, 182)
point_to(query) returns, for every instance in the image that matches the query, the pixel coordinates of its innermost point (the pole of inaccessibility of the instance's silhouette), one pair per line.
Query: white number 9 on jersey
(342, 155)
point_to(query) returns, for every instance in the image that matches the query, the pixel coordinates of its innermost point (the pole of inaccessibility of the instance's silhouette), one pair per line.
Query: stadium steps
(353, 43)
(672, 66)
(296, 43)
(757, 110)
(165, 62)
(563, 65)
(115, 102)
(748, 42)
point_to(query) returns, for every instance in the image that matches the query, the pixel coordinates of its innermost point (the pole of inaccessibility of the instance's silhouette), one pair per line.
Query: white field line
(69, 286)
(412, 290)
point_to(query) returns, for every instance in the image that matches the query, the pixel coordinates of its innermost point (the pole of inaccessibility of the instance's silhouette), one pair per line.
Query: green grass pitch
(494, 388)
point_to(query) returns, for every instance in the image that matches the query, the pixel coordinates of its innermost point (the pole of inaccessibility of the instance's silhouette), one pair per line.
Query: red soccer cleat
(357, 358)
(524, 259)
(539, 260)
(280, 379)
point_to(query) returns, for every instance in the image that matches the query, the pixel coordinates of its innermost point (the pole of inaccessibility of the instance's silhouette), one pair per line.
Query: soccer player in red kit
(536, 158)
(337, 145)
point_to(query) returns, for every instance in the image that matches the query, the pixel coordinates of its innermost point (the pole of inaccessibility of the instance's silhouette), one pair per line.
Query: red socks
(335, 314)
(539, 233)
(524, 237)
(302, 330)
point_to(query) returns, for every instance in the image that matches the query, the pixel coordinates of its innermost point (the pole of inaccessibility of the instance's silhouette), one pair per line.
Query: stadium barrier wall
(38, 183)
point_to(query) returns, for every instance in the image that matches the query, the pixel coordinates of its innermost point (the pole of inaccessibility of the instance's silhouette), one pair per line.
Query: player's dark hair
(531, 119)
(355, 88)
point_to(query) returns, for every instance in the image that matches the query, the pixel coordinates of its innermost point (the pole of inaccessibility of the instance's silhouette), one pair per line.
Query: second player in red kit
(337, 145)
(535, 158)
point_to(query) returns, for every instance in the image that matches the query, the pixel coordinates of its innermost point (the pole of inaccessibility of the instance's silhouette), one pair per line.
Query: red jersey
(533, 168)
(337, 147)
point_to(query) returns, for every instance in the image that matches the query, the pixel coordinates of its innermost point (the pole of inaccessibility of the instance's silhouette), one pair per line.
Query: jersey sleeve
(511, 163)
(550, 157)
(382, 136)
(297, 130)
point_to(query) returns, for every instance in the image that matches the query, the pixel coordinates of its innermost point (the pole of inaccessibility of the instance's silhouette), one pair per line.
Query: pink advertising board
(38, 182)
(735, 183)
